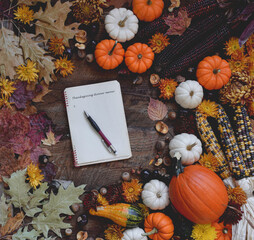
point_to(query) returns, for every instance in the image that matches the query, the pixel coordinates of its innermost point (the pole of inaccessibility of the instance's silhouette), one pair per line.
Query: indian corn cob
(211, 144)
(232, 152)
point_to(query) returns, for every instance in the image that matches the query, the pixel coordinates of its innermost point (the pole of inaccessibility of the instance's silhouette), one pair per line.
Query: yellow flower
(209, 161)
(167, 88)
(27, 73)
(24, 14)
(131, 190)
(208, 108)
(250, 44)
(56, 46)
(158, 42)
(239, 65)
(236, 195)
(4, 101)
(114, 232)
(204, 232)
(6, 87)
(232, 46)
(34, 175)
(64, 66)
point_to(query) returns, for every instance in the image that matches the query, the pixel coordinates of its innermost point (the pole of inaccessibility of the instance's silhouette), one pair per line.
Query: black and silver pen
(105, 141)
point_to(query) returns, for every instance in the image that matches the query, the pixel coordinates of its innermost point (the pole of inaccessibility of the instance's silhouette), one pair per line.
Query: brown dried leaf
(174, 4)
(29, 110)
(51, 139)
(45, 90)
(12, 224)
(178, 24)
(157, 110)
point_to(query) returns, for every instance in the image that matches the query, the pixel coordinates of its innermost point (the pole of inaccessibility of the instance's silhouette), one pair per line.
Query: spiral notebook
(104, 103)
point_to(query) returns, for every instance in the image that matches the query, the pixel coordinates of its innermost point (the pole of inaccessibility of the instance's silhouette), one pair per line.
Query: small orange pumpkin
(213, 72)
(109, 54)
(224, 232)
(139, 57)
(159, 226)
(147, 10)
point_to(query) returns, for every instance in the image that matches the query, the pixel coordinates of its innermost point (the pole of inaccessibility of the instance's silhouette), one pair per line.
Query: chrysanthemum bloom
(34, 175)
(167, 88)
(24, 14)
(27, 73)
(131, 190)
(6, 87)
(204, 232)
(158, 42)
(232, 46)
(114, 232)
(56, 46)
(208, 108)
(209, 161)
(64, 66)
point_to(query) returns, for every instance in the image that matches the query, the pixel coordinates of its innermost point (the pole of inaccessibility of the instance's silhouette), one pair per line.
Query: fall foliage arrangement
(201, 187)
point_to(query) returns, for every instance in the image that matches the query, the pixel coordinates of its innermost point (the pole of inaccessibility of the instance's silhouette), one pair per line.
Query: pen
(105, 141)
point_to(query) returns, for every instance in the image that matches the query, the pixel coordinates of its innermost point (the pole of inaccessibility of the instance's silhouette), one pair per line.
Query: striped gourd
(211, 144)
(231, 149)
(123, 214)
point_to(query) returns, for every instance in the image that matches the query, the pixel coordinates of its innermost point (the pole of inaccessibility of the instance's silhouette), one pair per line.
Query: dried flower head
(114, 232)
(239, 64)
(27, 73)
(209, 161)
(158, 42)
(204, 232)
(167, 88)
(4, 101)
(208, 108)
(24, 14)
(232, 46)
(131, 190)
(114, 193)
(88, 11)
(34, 175)
(236, 195)
(250, 45)
(232, 214)
(56, 46)
(6, 87)
(89, 201)
(64, 66)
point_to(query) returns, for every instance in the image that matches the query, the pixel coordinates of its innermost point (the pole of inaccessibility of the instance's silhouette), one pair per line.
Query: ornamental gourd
(213, 72)
(189, 94)
(224, 232)
(159, 226)
(155, 195)
(121, 24)
(188, 145)
(134, 234)
(139, 57)
(109, 54)
(198, 193)
(147, 10)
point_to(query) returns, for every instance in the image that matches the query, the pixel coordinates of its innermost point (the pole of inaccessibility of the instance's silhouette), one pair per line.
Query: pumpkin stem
(189, 147)
(113, 48)
(178, 164)
(225, 230)
(149, 2)
(122, 22)
(150, 233)
(191, 93)
(140, 56)
(215, 71)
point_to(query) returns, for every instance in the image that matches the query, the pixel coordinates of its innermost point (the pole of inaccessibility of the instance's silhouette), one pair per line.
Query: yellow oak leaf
(51, 138)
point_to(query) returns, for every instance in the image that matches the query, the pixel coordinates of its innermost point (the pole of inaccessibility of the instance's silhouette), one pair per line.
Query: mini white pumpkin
(121, 24)
(188, 145)
(189, 94)
(155, 195)
(134, 234)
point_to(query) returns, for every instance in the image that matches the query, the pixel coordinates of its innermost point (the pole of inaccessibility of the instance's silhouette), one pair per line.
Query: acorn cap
(155, 79)
(82, 235)
(80, 46)
(81, 36)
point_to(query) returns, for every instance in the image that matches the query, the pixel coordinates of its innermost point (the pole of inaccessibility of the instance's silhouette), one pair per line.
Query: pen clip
(109, 149)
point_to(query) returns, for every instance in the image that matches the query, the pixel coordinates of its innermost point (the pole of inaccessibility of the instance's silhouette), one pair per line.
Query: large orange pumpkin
(147, 10)
(224, 232)
(109, 54)
(213, 72)
(198, 194)
(139, 57)
(159, 226)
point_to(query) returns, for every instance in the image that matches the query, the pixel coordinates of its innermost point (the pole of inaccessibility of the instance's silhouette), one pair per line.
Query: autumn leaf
(51, 139)
(50, 22)
(32, 2)
(178, 24)
(5, 210)
(157, 110)
(11, 53)
(44, 91)
(174, 4)
(12, 224)
(25, 234)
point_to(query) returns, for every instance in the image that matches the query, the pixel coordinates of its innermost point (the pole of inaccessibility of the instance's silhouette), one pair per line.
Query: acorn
(103, 191)
(81, 50)
(89, 57)
(68, 231)
(126, 176)
(161, 127)
(95, 192)
(82, 235)
(155, 80)
(167, 161)
(43, 159)
(160, 145)
(81, 36)
(82, 220)
(138, 80)
(172, 115)
(158, 162)
(75, 207)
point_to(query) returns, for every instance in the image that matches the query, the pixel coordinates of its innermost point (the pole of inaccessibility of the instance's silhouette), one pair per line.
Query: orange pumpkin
(198, 194)
(213, 72)
(223, 232)
(159, 226)
(139, 57)
(147, 10)
(109, 54)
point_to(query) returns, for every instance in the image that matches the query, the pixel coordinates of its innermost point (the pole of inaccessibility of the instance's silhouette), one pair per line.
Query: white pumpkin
(189, 94)
(134, 234)
(188, 145)
(155, 195)
(121, 24)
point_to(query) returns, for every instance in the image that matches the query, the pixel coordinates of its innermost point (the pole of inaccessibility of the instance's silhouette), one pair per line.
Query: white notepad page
(103, 102)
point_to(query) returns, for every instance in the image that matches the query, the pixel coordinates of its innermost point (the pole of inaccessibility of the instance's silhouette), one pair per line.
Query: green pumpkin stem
(178, 164)
(113, 48)
(122, 22)
(149, 2)
(215, 71)
(150, 233)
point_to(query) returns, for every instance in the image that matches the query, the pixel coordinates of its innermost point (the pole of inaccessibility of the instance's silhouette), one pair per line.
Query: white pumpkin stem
(122, 22)
(150, 233)
(113, 48)
(189, 147)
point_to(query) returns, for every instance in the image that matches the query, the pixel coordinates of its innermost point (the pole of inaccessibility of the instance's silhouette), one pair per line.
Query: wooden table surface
(141, 130)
